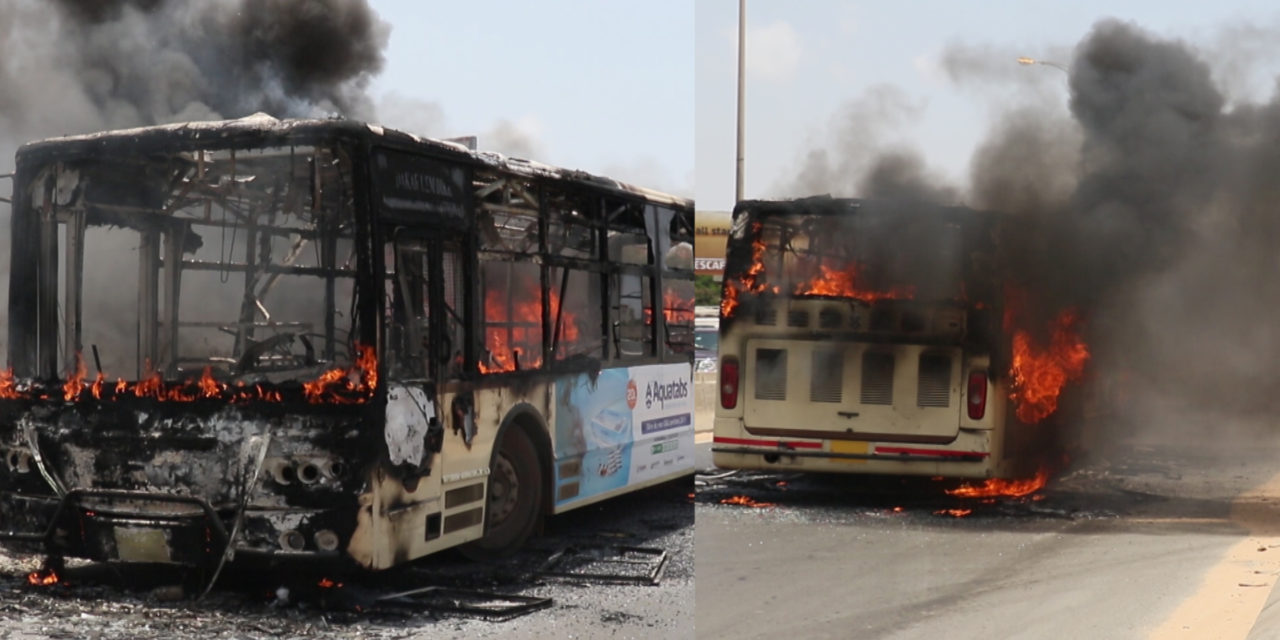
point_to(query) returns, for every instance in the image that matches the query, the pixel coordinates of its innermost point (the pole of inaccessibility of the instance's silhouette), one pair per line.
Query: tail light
(977, 394)
(729, 382)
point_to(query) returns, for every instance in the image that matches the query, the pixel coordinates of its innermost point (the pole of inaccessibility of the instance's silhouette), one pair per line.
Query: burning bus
(861, 336)
(310, 340)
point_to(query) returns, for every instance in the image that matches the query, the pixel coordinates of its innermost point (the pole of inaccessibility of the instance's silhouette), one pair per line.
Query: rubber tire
(502, 539)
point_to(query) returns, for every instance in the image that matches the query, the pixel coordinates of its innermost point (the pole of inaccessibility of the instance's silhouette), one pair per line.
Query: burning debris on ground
(444, 595)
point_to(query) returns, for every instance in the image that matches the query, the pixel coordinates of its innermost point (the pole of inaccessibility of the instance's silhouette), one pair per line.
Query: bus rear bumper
(970, 455)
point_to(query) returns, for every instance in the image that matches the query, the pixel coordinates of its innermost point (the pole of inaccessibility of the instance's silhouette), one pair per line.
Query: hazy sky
(606, 87)
(807, 60)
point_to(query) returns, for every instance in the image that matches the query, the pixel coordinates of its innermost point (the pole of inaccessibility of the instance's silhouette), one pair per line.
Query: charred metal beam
(495, 607)
(636, 565)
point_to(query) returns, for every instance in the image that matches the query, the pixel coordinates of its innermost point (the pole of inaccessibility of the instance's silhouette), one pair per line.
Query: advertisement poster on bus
(624, 427)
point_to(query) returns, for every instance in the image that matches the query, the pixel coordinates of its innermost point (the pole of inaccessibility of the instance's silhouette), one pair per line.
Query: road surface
(1153, 539)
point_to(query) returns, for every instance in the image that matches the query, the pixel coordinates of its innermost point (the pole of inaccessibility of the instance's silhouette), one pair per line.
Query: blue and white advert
(625, 427)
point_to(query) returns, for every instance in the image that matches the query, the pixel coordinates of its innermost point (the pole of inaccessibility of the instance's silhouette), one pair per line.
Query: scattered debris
(613, 564)
(494, 607)
(746, 501)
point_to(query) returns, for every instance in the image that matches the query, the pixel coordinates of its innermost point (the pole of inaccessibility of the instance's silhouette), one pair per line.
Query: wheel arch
(527, 418)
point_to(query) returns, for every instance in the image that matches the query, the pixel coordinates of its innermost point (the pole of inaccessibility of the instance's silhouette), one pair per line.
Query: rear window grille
(771, 374)
(826, 376)
(797, 318)
(877, 378)
(933, 388)
(766, 315)
(828, 319)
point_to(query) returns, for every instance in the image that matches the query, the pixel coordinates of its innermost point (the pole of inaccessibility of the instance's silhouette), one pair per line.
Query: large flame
(750, 281)
(677, 310)
(516, 340)
(346, 386)
(1038, 374)
(996, 487)
(843, 282)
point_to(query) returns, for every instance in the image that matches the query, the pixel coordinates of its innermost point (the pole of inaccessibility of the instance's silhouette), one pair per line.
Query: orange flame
(326, 583)
(520, 321)
(352, 385)
(996, 487)
(342, 386)
(210, 388)
(843, 283)
(42, 578)
(746, 501)
(8, 388)
(954, 513)
(75, 383)
(675, 309)
(748, 281)
(1038, 375)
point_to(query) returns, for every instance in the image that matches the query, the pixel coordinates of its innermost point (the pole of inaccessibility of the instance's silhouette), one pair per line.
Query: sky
(606, 87)
(810, 63)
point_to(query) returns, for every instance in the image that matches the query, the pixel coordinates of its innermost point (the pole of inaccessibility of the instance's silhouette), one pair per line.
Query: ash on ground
(97, 600)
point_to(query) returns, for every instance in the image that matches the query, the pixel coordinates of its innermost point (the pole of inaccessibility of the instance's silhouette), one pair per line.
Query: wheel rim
(504, 490)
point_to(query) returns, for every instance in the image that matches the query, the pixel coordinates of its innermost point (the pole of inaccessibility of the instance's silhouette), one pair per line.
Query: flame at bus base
(1039, 374)
(341, 385)
(999, 488)
(746, 501)
(42, 578)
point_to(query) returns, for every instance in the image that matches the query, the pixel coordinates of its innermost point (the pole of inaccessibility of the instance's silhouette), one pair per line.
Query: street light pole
(742, 57)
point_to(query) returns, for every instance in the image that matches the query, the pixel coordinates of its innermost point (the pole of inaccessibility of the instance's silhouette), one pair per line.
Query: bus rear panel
(862, 337)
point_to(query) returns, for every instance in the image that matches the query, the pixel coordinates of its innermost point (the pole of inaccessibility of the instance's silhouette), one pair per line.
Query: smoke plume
(76, 66)
(73, 66)
(1151, 205)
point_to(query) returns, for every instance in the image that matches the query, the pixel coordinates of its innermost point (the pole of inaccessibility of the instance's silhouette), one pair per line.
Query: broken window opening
(239, 261)
(859, 257)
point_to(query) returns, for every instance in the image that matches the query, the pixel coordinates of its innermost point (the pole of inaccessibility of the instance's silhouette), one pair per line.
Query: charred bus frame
(864, 336)
(329, 340)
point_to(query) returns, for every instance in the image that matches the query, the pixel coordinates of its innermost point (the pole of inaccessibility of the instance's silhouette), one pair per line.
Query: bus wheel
(514, 500)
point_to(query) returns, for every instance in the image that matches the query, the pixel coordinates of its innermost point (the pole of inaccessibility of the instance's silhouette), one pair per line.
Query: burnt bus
(864, 336)
(326, 340)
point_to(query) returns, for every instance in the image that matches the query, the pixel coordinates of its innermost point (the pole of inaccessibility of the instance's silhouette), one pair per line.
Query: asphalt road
(1150, 539)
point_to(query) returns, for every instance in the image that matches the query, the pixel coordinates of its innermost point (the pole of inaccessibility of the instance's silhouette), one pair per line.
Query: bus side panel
(624, 428)
(403, 518)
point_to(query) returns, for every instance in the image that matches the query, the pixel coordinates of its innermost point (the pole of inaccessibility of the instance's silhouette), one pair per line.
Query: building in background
(711, 230)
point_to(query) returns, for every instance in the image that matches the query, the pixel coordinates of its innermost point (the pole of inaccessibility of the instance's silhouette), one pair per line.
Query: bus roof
(827, 205)
(260, 128)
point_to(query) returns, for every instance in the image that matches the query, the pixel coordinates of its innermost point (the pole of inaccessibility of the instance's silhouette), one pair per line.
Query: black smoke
(1150, 199)
(77, 66)
(73, 66)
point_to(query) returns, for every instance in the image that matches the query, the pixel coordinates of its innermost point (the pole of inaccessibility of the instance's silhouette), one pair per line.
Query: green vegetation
(706, 291)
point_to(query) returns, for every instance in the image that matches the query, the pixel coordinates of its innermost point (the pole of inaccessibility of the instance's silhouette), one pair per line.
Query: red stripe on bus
(941, 453)
(767, 443)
